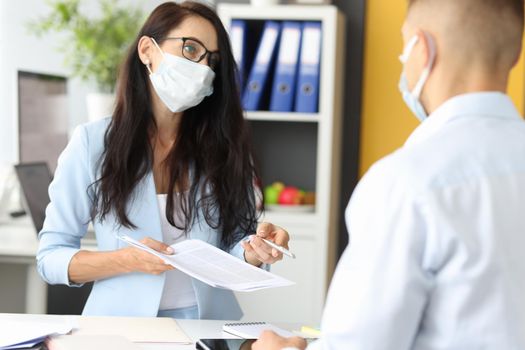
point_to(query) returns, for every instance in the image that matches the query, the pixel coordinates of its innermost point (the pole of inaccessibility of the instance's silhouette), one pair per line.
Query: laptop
(34, 179)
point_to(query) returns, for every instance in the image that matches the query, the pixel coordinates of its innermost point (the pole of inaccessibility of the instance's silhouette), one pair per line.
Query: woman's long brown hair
(212, 142)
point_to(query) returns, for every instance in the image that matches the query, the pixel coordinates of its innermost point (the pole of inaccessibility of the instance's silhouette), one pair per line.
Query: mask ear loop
(158, 47)
(408, 49)
(148, 65)
(426, 72)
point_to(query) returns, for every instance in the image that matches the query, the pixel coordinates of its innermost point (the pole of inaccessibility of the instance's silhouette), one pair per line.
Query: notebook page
(252, 330)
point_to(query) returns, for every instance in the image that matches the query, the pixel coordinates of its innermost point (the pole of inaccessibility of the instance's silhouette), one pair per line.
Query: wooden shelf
(283, 117)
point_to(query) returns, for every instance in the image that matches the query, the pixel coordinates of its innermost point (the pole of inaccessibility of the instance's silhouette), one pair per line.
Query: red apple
(290, 196)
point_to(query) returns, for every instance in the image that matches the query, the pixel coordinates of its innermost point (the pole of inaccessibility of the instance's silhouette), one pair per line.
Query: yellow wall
(385, 121)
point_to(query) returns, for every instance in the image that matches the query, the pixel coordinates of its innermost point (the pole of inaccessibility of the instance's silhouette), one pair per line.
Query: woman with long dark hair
(172, 163)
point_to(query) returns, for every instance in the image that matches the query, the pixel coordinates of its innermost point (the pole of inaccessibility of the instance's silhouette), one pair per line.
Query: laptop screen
(34, 180)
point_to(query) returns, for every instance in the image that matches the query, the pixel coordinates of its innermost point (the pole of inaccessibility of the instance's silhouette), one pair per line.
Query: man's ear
(427, 45)
(144, 49)
(422, 48)
(518, 56)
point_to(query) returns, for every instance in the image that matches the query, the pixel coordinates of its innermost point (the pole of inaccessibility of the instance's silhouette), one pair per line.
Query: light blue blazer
(67, 217)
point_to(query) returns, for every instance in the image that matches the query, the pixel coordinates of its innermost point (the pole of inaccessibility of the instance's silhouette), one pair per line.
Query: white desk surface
(18, 241)
(195, 329)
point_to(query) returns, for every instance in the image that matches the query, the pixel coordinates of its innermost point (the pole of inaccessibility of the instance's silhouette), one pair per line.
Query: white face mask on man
(411, 98)
(181, 83)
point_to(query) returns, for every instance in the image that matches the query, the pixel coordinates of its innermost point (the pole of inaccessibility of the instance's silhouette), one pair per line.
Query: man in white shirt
(436, 258)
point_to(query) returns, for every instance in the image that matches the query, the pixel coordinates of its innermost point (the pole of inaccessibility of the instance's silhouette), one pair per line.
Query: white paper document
(23, 334)
(215, 267)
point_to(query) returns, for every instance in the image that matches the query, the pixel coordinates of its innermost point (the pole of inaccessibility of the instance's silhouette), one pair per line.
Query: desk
(18, 245)
(195, 329)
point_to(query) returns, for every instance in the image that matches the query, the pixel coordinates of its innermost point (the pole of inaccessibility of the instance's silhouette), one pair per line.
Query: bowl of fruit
(279, 197)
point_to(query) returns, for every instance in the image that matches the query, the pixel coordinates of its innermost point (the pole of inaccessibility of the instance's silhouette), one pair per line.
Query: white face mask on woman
(181, 83)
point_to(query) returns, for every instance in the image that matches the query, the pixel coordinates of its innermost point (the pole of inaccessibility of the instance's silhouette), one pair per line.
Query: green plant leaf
(93, 47)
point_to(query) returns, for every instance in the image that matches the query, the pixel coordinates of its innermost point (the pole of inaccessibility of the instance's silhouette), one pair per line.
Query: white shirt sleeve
(380, 287)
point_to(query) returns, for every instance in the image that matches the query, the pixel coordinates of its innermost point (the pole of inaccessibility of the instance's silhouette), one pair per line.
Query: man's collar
(480, 104)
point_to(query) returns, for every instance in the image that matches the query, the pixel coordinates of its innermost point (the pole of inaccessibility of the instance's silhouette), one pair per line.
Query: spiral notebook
(252, 330)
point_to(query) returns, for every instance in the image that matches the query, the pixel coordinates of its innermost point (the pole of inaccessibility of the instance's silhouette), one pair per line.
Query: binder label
(266, 48)
(237, 37)
(311, 46)
(288, 52)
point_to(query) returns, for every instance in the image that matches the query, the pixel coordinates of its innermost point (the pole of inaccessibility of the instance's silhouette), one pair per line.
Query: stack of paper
(18, 334)
(215, 267)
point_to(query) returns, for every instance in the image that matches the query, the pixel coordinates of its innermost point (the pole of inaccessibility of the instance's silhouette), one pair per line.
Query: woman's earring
(147, 64)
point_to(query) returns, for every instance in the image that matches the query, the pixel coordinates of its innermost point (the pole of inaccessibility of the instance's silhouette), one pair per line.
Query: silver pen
(279, 248)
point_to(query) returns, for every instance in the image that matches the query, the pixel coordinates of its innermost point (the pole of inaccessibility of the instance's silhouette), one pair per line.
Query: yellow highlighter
(311, 331)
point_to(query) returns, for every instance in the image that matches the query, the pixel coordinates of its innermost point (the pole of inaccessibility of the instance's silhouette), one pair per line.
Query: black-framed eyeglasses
(195, 51)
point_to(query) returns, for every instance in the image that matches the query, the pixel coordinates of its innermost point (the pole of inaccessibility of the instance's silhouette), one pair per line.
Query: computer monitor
(34, 179)
(43, 117)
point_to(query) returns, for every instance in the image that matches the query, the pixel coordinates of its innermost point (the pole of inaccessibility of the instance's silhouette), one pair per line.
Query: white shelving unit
(313, 235)
(283, 117)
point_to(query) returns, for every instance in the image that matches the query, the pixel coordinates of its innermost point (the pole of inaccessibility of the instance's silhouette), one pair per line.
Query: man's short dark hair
(489, 31)
(515, 6)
